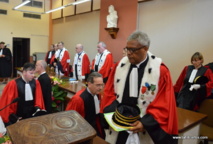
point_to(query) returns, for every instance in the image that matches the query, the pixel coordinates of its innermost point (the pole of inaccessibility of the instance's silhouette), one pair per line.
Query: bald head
(41, 66)
(79, 48)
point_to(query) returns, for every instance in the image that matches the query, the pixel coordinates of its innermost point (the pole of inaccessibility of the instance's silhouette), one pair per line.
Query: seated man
(86, 102)
(26, 91)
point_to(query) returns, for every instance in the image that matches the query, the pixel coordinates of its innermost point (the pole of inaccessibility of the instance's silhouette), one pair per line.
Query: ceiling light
(78, 2)
(55, 9)
(22, 4)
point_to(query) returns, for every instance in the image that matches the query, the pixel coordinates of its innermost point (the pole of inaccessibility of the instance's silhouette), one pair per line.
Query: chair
(206, 128)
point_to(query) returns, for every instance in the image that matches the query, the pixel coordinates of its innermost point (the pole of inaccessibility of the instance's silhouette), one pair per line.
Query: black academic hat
(201, 80)
(125, 115)
(2, 42)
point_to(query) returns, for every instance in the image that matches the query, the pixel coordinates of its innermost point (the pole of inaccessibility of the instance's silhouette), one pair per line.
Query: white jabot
(192, 76)
(50, 54)
(132, 138)
(28, 92)
(96, 101)
(97, 107)
(133, 82)
(1, 51)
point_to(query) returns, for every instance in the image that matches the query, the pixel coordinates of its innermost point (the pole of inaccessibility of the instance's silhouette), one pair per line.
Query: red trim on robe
(180, 81)
(10, 92)
(76, 103)
(163, 108)
(107, 66)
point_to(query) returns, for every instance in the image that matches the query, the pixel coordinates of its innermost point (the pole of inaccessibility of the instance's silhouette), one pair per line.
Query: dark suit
(46, 87)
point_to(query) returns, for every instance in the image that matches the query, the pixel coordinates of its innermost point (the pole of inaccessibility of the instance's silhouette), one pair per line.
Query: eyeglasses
(132, 50)
(99, 85)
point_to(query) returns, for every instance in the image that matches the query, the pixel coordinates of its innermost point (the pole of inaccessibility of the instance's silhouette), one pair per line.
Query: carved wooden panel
(58, 13)
(70, 10)
(96, 4)
(83, 7)
(59, 128)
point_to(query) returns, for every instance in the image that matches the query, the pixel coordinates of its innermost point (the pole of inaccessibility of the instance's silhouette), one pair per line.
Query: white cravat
(133, 82)
(28, 92)
(192, 76)
(132, 138)
(97, 107)
(50, 54)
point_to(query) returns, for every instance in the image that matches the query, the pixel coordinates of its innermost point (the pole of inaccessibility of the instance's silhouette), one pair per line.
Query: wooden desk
(189, 126)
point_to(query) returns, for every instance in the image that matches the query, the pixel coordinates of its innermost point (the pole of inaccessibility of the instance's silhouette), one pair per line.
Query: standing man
(50, 54)
(103, 61)
(81, 65)
(45, 83)
(29, 94)
(142, 79)
(5, 63)
(86, 102)
(62, 60)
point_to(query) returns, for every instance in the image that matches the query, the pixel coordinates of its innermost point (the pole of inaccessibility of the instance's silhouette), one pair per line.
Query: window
(7, 1)
(34, 16)
(33, 3)
(4, 12)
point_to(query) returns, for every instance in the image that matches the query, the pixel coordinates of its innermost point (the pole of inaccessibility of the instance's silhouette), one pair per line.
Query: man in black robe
(21, 97)
(5, 63)
(45, 83)
(86, 102)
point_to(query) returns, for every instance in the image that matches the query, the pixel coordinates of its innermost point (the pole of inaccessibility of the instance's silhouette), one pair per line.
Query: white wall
(178, 29)
(15, 25)
(82, 28)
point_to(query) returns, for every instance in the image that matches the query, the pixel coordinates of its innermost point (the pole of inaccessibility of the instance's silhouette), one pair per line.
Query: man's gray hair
(102, 43)
(141, 37)
(44, 64)
(92, 76)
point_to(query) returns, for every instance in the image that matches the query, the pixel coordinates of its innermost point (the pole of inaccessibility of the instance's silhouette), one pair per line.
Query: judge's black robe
(83, 103)
(22, 108)
(46, 88)
(6, 63)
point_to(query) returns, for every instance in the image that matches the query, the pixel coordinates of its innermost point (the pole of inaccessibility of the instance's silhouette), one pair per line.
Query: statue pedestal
(112, 31)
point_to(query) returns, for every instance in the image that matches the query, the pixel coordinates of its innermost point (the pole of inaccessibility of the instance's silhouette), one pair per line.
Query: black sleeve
(158, 135)
(46, 91)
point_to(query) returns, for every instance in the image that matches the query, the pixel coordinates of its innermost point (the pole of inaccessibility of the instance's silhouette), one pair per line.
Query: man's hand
(194, 86)
(137, 127)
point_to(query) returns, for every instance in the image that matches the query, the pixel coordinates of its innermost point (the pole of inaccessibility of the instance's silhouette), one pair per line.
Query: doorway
(21, 52)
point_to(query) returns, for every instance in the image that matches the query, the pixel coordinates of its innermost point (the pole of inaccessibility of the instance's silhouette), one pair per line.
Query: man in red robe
(142, 79)
(28, 92)
(81, 64)
(61, 60)
(86, 102)
(103, 61)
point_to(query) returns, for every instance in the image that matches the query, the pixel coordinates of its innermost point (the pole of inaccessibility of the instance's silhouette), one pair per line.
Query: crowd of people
(139, 79)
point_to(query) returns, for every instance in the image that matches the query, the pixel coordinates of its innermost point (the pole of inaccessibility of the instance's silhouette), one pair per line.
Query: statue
(112, 18)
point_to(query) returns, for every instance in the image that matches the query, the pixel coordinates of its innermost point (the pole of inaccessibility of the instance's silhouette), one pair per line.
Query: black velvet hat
(201, 80)
(125, 115)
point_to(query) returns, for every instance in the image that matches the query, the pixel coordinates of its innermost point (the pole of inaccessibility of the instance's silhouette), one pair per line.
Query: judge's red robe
(83, 67)
(180, 83)
(107, 66)
(10, 92)
(162, 109)
(65, 61)
(78, 104)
